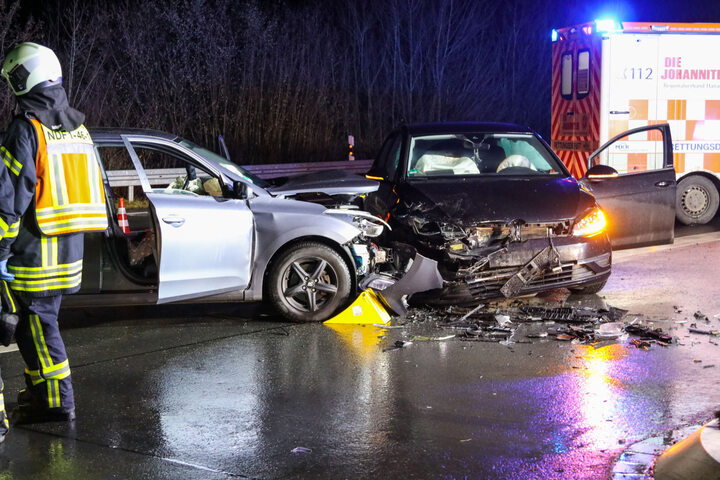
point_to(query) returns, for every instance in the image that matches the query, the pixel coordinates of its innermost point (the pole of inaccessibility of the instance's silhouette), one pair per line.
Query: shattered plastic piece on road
(709, 366)
(647, 332)
(537, 335)
(398, 345)
(641, 344)
(301, 450)
(714, 333)
(609, 330)
(564, 337)
(503, 320)
(700, 316)
(464, 317)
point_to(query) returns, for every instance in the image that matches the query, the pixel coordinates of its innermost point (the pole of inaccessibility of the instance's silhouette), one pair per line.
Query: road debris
(398, 345)
(301, 450)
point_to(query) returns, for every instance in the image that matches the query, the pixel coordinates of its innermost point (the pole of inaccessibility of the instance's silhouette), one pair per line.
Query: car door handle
(663, 183)
(174, 220)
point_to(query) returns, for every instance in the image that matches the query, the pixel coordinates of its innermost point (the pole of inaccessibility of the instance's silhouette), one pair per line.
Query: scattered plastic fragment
(641, 344)
(714, 333)
(647, 332)
(609, 330)
(301, 450)
(503, 320)
(700, 316)
(397, 345)
(709, 366)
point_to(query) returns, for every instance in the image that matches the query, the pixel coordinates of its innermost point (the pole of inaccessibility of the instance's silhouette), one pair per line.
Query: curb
(696, 456)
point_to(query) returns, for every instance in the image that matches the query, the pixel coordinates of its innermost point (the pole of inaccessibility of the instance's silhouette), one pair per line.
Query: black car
(495, 206)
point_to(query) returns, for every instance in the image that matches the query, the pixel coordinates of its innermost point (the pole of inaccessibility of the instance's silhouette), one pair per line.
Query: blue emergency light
(607, 25)
(554, 35)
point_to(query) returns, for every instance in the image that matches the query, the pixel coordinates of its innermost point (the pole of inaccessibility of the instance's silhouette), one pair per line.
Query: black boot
(24, 414)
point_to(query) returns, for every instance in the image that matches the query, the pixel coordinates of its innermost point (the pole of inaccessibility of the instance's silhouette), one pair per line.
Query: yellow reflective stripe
(76, 208)
(35, 376)
(3, 227)
(53, 387)
(43, 270)
(13, 308)
(44, 257)
(50, 273)
(10, 161)
(56, 284)
(53, 252)
(57, 173)
(57, 371)
(2, 412)
(13, 230)
(39, 340)
(73, 224)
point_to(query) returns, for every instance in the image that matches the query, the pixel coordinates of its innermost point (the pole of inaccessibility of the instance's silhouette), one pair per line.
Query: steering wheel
(517, 161)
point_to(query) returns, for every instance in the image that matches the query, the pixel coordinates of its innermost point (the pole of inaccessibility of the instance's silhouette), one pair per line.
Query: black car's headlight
(592, 224)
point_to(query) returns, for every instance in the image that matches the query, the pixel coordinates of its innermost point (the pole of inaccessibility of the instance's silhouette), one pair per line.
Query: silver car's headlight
(369, 224)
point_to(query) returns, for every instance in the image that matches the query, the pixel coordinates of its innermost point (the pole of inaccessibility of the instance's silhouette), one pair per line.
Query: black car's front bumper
(583, 261)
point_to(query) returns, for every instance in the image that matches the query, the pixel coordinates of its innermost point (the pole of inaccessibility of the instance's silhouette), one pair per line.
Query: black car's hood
(502, 199)
(329, 182)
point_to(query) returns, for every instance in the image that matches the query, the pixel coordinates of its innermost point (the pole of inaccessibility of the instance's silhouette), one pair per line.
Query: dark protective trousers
(47, 372)
(4, 425)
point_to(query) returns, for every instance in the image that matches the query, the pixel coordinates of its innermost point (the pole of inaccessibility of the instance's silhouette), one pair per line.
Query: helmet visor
(18, 78)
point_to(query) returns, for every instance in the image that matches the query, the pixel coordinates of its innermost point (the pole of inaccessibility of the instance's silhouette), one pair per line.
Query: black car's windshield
(227, 164)
(480, 154)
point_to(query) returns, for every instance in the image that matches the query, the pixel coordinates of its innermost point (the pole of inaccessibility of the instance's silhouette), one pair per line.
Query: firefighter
(56, 194)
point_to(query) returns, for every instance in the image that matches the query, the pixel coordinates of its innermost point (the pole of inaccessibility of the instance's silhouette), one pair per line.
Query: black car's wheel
(589, 288)
(309, 282)
(697, 200)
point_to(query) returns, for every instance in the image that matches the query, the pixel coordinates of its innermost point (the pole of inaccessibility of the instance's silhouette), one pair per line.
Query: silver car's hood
(329, 182)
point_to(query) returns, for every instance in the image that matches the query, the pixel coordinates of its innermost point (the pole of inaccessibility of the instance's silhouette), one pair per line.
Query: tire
(589, 288)
(302, 299)
(697, 200)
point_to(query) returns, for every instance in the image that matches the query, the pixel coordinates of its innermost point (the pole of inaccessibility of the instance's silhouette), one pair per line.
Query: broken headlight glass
(448, 231)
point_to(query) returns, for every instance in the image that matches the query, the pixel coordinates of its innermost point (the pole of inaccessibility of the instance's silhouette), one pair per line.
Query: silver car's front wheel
(309, 282)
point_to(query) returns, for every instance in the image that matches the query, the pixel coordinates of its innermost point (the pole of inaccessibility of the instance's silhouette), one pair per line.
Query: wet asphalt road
(211, 393)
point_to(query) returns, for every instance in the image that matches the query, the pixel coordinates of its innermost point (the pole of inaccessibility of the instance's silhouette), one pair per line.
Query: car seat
(490, 159)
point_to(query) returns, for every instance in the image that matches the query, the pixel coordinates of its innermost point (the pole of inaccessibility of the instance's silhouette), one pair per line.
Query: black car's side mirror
(601, 172)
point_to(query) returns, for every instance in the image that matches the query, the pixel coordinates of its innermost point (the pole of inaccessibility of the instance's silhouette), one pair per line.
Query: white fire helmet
(28, 65)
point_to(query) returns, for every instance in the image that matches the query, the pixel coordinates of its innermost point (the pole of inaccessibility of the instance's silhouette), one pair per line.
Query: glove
(4, 274)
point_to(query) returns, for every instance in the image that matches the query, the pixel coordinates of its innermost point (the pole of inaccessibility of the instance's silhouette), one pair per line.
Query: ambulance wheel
(309, 282)
(696, 201)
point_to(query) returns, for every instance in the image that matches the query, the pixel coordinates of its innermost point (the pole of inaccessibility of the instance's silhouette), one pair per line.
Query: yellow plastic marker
(366, 309)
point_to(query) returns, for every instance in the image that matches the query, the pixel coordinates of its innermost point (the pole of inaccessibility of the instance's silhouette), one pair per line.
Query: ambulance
(609, 77)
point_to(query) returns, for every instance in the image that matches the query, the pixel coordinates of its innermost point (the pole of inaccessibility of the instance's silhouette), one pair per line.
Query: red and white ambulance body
(610, 77)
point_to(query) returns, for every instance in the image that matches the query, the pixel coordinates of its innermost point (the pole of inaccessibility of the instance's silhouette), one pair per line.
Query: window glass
(393, 158)
(480, 154)
(566, 76)
(583, 73)
(173, 174)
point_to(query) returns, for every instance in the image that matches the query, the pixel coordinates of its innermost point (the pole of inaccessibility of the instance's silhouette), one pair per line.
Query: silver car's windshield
(480, 154)
(224, 162)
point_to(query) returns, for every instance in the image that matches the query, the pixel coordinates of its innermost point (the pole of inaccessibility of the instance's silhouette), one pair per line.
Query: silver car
(222, 234)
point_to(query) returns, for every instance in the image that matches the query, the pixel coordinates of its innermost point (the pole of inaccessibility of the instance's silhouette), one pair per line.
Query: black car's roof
(107, 134)
(463, 127)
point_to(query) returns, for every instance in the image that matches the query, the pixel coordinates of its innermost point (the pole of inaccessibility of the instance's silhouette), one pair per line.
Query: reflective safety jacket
(57, 193)
(69, 196)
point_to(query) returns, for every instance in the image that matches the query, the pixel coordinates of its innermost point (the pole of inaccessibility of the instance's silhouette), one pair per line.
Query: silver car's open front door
(635, 186)
(204, 243)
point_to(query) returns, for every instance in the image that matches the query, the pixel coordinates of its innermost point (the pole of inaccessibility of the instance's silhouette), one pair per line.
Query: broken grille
(492, 281)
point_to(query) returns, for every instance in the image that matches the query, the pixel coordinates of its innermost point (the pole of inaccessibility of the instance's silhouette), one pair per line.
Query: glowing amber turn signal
(591, 224)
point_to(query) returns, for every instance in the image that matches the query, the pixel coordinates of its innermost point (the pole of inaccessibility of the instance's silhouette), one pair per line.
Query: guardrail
(165, 176)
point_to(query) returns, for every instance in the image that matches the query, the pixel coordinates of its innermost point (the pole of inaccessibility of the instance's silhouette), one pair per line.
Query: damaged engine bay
(489, 258)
